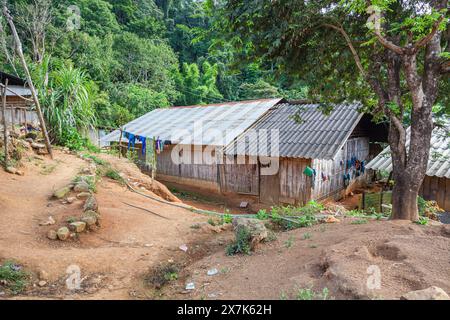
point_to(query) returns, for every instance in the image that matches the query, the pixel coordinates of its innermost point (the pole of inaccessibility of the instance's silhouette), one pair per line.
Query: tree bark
(29, 80)
(404, 201)
(5, 123)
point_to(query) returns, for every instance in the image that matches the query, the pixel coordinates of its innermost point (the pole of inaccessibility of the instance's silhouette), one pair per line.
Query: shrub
(14, 279)
(262, 215)
(114, 175)
(422, 221)
(242, 243)
(162, 274)
(227, 218)
(310, 294)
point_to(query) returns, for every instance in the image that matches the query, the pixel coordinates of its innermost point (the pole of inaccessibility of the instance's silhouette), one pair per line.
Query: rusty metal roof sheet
(304, 131)
(439, 162)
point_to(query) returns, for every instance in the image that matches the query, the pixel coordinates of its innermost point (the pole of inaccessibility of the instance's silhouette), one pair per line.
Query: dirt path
(113, 259)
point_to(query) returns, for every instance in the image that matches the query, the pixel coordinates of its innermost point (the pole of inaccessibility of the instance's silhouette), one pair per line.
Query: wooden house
(268, 151)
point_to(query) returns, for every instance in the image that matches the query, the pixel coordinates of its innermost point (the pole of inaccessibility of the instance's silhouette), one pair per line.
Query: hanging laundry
(131, 139)
(142, 140)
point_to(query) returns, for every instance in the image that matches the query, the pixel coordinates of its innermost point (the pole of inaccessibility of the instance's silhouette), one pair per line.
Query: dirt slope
(332, 256)
(128, 243)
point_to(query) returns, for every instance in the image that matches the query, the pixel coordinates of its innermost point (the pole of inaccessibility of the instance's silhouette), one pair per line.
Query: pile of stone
(89, 220)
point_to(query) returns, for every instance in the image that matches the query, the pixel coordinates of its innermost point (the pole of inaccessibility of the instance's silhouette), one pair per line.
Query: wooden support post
(381, 202)
(5, 124)
(120, 143)
(25, 119)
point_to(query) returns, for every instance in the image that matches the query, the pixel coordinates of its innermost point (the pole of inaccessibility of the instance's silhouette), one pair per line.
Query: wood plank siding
(335, 169)
(437, 189)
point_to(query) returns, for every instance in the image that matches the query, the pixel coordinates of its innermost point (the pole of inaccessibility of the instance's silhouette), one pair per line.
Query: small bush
(241, 245)
(289, 242)
(162, 274)
(13, 278)
(359, 221)
(423, 221)
(262, 215)
(310, 294)
(227, 218)
(114, 175)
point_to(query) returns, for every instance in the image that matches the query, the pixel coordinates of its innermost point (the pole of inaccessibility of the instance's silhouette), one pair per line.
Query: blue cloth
(144, 144)
(131, 139)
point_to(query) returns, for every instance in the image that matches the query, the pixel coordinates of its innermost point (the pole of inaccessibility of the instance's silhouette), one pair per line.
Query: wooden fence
(375, 200)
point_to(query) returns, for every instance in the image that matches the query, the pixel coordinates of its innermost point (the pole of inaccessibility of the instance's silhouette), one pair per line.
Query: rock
(256, 229)
(20, 173)
(213, 272)
(83, 195)
(49, 222)
(42, 283)
(52, 235)
(71, 200)
(61, 193)
(63, 233)
(36, 145)
(78, 226)
(11, 170)
(184, 248)
(42, 152)
(43, 275)
(81, 186)
(90, 218)
(90, 204)
(431, 293)
(332, 219)
(446, 230)
(190, 286)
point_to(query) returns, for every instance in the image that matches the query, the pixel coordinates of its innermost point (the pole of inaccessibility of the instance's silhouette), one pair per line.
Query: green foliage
(310, 294)
(114, 175)
(13, 278)
(241, 245)
(262, 215)
(423, 221)
(360, 221)
(289, 242)
(227, 218)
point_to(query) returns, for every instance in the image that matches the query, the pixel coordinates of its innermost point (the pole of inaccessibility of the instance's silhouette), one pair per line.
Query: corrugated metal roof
(316, 136)
(216, 124)
(439, 162)
(18, 90)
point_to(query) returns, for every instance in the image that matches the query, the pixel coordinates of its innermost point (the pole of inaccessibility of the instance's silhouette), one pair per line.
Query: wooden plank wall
(335, 169)
(239, 178)
(295, 186)
(165, 165)
(437, 189)
(197, 169)
(15, 111)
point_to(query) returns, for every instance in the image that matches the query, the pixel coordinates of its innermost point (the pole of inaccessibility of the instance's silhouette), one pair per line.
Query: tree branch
(350, 45)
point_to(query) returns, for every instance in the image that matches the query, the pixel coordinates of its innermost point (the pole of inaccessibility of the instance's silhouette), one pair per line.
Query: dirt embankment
(112, 259)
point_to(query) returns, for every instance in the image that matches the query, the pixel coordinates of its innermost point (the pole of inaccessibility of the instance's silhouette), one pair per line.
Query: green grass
(360, 221)
(310, 294)
(289, 242)
(423, 221)
(114, 175)
(15, 280)
(307, 236)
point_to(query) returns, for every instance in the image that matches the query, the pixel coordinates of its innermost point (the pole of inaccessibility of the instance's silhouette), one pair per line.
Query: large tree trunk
(404, 201)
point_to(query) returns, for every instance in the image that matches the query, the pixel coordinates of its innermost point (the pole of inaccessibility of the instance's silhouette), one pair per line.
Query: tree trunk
(404, 200)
